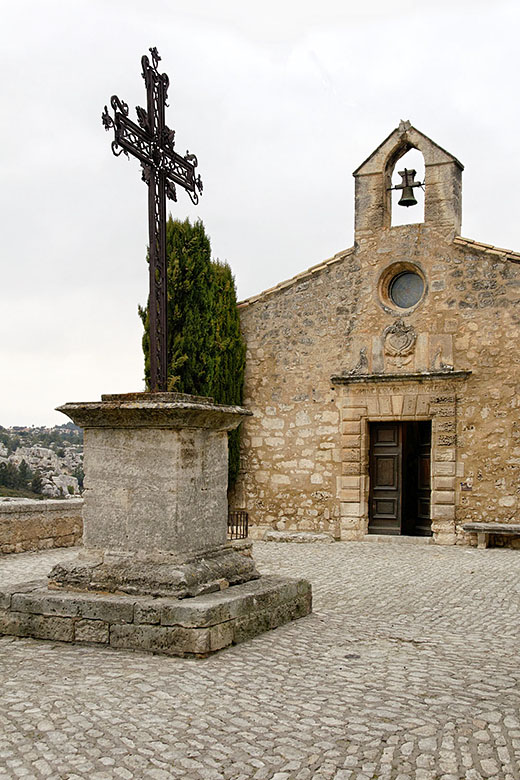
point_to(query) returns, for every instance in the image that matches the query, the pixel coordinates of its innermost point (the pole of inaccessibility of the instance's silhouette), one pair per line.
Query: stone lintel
(154, 410)
(193, 627)
(347, 379)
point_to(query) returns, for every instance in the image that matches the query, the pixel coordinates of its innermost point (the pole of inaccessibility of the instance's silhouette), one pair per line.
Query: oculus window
(406, 289)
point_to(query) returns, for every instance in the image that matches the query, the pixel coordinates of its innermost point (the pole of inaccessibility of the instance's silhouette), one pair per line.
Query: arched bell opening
(404, 199)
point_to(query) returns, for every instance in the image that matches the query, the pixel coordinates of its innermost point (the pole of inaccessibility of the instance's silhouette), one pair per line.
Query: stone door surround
(398, 397)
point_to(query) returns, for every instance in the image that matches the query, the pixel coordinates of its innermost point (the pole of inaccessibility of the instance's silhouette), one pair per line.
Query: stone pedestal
(156, 572)
(155, 512)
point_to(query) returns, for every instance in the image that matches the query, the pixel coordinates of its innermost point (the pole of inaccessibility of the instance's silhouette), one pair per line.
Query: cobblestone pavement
(408, 668)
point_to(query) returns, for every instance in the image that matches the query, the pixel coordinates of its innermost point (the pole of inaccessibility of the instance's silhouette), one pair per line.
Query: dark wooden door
(423, 523)
(385, 478)
(399, 501)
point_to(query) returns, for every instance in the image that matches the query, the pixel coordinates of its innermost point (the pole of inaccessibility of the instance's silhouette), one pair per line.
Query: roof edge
(505, 254)
(295, 279)
(402, 129)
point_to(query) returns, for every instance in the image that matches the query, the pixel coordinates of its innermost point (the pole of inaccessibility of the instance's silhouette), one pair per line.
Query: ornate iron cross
(152, 142)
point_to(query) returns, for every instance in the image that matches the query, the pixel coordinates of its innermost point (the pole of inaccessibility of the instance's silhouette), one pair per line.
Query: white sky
(280, 101)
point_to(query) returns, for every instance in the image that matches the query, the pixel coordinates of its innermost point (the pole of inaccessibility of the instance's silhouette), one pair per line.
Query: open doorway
(400, 484)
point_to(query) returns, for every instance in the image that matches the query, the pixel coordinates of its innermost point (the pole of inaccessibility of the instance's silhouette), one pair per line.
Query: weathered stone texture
(305, 450)
(40, 525)
(198, 626)
(155, 509)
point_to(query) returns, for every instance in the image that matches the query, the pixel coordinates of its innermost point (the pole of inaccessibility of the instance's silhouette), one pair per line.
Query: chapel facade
(385, 381)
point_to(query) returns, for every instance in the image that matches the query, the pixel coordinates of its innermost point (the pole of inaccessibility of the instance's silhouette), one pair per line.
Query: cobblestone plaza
(408, 668)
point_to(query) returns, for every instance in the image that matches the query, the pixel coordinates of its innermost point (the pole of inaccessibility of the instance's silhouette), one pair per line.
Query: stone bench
(485, 530)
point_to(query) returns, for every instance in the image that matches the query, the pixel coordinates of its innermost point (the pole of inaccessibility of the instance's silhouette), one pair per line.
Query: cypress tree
(228, 353)
(206, 351)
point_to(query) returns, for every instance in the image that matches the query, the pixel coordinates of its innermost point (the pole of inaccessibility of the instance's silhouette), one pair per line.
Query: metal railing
(238, 521)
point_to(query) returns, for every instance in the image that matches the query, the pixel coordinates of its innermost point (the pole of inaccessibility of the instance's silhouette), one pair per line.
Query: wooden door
(385, 478)
(399, 500)
(423, 523)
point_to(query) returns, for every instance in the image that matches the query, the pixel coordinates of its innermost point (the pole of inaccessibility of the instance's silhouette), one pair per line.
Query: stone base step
(297, 536)
(396, 539)
(184, 627)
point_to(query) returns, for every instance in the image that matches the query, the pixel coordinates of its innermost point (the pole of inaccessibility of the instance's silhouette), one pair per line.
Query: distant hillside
(41, 462)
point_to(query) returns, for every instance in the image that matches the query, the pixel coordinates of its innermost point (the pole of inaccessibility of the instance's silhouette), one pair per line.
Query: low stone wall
(39, 525)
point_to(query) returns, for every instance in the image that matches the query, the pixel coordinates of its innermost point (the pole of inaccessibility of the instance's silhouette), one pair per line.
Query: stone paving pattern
(408, 668)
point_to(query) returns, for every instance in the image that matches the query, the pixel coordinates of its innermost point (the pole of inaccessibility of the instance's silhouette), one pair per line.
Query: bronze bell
(407, 198)
(407, 185)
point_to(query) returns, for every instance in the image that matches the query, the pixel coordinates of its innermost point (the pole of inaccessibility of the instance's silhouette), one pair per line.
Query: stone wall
(40, 525)
(291, 448)
(334, 320)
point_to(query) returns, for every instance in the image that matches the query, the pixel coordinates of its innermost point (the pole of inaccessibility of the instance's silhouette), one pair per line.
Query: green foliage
(36, 484)
(12, 476)
(80, 476)
(206, 351)
(229, 354)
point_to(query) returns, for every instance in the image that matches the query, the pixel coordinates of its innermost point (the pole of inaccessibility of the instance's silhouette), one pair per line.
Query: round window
(406, 289)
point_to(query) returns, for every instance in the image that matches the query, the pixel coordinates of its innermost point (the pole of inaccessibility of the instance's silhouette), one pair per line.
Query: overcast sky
(280, 101)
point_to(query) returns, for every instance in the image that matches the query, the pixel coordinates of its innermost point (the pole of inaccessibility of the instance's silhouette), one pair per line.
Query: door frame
(395, 398)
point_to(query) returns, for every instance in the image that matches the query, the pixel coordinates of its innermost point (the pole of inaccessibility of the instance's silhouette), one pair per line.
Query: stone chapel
(385, 381)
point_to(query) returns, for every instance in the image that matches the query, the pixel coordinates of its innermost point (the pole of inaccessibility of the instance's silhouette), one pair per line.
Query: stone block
(111, 609)
(409, 405)
(354, 412)
(13, 623)
(443, 497)
(221, 636)
(351, 509)
(385, 406)
(44, 603)
(351, 455)
(206, 612)
(397, 405)
(422, 408)
(96, 631)
(445, 538)
(372, 406)
(443, 512)
(351, 468)
(300, 537)
(349, 495)
(349, 440)
(444, 411)
(443, 483)
(349, 482)
(147, 612)
(161, 639)
(443, 469)
(351, 427)
(444, 455)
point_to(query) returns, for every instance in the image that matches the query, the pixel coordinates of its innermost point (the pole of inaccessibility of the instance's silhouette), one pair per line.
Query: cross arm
(129, 138)
(181, 170)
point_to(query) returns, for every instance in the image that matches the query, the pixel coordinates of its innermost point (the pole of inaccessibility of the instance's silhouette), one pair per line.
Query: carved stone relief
(399, 342)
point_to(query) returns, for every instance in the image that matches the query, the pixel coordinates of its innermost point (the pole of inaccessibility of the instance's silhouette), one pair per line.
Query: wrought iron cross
(152, 142)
